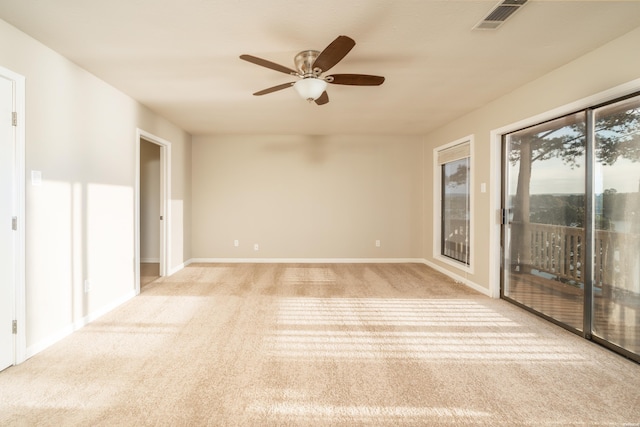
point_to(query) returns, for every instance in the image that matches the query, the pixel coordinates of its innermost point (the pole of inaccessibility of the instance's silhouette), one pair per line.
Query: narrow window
(453, 187)
(454, 233)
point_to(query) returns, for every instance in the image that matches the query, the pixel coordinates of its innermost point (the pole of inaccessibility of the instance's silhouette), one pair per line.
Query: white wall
(149, 202)
(307, 197)
(81, 134)
(559, 92)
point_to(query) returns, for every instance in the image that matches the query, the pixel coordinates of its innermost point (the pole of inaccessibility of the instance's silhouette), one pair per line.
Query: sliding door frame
(496, 164)
(587, 285)
(589, 225)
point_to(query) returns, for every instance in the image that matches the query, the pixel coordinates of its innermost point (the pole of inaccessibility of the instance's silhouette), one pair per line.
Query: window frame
(438, 200)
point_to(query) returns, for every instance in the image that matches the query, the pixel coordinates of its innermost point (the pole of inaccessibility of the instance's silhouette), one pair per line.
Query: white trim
(78, 324)
(19, 294)
(495, 204)
(572, 107)
(495, 185)
(165, 210)
(458, 279)
(437, 203)
(179, 267)
(150, 260)
(307, 260)
(21, 315)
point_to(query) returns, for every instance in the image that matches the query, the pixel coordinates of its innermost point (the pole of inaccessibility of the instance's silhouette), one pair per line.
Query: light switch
(36, 178)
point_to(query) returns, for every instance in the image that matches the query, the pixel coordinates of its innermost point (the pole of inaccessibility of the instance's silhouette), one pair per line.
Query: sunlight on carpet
(386, 312)
(319, 345)
(402, 335)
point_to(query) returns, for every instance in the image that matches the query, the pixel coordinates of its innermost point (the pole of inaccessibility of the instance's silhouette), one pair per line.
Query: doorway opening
(153, 216)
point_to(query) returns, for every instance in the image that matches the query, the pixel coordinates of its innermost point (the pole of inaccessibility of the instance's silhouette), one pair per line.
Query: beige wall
(295, 196)
(149, 202)
(561, 91)
(307, 197)
(81, 134)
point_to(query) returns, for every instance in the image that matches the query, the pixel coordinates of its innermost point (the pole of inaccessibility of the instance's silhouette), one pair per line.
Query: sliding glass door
(616, 287)
(571, 222)
(544, 219)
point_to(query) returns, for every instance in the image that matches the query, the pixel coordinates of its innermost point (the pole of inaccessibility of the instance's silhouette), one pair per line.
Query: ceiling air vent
(500, 13)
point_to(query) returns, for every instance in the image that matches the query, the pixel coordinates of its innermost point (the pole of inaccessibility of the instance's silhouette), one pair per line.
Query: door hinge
(14, 327)
(503, 216)
(14, 118)
(161, 217)
(14, 223)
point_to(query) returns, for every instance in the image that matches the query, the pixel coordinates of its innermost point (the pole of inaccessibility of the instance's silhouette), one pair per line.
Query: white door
(7, 234)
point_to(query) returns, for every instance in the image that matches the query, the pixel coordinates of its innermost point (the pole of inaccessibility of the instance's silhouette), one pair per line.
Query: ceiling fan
(310, 65)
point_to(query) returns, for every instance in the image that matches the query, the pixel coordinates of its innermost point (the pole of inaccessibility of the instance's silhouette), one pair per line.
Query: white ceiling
(180, 57)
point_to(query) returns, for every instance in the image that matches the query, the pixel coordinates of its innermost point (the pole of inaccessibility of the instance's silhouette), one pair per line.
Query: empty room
(371, 212)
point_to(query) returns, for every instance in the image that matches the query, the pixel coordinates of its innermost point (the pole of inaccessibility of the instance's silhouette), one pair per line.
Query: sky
(554, 177)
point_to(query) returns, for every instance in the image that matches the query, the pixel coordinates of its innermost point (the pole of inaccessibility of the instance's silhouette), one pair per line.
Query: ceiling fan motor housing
(304, 63)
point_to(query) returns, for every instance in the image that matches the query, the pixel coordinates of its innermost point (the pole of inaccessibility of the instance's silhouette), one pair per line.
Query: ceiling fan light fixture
(310, 88)
(311, 64)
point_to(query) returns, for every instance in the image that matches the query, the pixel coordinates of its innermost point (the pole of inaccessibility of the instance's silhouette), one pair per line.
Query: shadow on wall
(316, 149)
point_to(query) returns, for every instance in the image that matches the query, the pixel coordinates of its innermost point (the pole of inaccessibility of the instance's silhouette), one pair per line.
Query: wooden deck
(616, 313)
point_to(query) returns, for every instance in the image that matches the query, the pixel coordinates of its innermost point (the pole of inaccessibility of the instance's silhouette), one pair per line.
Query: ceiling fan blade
(274, 89)
(323, 99)
(268, 64)
(356, 79)
(334, 53)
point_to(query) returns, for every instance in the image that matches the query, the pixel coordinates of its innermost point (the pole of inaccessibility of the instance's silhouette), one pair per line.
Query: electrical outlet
(377, 243)
(256, 247)
(87, 285)
(236, 243)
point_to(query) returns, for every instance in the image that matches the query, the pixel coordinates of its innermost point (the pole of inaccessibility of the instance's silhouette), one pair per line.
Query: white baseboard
(177, 268)
(71, 328)
(150, 260)
(307, 260)
(458, 278)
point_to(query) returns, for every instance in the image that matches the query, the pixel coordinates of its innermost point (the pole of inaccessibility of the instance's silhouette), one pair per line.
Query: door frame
(495, 165)
(165, 205)
(18, 202)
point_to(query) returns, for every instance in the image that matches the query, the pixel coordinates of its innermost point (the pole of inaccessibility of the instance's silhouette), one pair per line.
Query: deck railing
(559, 251)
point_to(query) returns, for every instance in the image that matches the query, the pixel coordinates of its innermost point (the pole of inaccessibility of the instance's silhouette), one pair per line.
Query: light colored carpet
(306, 345)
